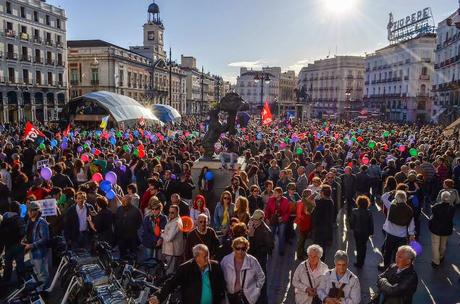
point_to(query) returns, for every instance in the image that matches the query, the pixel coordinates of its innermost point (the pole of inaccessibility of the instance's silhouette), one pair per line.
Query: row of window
(39, 79)
(33, 36)
(34, 55)
(35, 16)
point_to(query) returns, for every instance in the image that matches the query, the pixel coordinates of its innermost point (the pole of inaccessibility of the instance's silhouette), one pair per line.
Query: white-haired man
(201, 280)
(399, 282)
(308, 275)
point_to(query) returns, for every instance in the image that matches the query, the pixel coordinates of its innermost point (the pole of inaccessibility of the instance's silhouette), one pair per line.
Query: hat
(258, 215)
(33, 206)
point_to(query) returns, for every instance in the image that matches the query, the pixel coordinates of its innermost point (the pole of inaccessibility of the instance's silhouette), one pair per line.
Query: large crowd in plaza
(288, 181)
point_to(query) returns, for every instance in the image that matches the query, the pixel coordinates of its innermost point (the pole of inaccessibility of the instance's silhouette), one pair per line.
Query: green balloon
(353, 139)
(386, 134)
(286, 140)
(393, 131)
(136, 152)
(126, 148)
(299, 151)
(119, 134)
(41, 146)
(85, 146)
(413, 152)
(371, 144)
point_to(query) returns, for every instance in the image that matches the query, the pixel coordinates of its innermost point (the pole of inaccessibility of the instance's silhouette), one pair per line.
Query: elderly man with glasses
(200, 280)
(308, 275)
(202, 234)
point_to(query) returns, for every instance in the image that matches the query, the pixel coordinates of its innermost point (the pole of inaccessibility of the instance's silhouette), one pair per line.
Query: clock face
(151, 35)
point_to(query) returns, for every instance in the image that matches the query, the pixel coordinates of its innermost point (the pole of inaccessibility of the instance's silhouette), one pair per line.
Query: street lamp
(348, 104)
(264, 78)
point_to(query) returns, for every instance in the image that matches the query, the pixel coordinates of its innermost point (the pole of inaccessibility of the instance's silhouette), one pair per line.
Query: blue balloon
(113, 141)
(110, 195)
(209, 176)
(105, 186)
(23, 209)
(53, 143)
(259, 136)
(136, 133)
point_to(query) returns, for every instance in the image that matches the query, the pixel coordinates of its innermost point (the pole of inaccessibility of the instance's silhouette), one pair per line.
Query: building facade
(446, 80)
(334, 86)
(398, 80)
(259, 86)
(33, 61)
(96, 65)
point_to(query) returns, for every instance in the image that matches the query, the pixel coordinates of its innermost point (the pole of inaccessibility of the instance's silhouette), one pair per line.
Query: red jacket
(283, 209)
(144, 203)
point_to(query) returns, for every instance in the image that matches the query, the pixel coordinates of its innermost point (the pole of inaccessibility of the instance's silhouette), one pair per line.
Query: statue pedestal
(222, 179)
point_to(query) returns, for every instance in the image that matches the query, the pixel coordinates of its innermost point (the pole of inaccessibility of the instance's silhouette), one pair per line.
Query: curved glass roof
(122, 108)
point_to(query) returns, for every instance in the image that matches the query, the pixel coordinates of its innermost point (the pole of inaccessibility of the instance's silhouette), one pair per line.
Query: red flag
(66, 131)
(266, 114)
(31, 132)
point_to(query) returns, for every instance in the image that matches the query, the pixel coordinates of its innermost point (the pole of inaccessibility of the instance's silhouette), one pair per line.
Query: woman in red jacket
(277, 214)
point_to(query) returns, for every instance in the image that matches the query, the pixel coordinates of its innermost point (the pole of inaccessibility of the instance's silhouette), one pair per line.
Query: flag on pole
(142, 121)
(31, 132)
(104, 122)
(266, 114)
(66, 131)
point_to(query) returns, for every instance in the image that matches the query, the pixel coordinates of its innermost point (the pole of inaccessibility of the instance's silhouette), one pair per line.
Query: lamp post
(347, 107)
(264, 78)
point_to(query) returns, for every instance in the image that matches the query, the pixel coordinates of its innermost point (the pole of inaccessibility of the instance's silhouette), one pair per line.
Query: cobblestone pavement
(440, 285)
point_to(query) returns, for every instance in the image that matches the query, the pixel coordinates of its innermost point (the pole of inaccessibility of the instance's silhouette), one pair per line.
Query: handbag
(238, 297)
(316, 299)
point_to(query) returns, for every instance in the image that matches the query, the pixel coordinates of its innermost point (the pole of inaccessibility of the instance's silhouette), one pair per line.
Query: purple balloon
(46, 173)
(80, 149)
(123, 168)
(64, 145)
(111, 177)
(416, 246)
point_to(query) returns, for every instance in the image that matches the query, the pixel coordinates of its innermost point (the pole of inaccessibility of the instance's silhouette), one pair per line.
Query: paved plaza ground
(441, 286)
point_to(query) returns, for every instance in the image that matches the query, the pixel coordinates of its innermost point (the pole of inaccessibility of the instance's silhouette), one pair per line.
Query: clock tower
(154, 32)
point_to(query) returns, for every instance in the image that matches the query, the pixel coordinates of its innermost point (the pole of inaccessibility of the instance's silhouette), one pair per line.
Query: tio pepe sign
(411, 19)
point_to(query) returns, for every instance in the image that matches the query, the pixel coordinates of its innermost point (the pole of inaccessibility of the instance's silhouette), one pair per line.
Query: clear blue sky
(225, 34)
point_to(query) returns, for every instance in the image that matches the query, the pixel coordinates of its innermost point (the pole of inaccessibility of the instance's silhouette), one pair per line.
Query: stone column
(32, 109)
(20, 108)
(45, 109)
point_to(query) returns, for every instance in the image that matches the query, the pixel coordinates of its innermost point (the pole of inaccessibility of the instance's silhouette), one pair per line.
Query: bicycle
(29, 292)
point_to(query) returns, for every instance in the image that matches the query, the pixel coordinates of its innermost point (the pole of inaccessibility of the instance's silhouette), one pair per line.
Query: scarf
(157, 229)
(225, 217)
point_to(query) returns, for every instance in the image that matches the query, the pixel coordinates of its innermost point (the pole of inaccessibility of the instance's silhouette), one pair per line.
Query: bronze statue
(231, 104)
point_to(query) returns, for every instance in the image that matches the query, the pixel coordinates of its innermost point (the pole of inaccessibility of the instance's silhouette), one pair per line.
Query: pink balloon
(84, 158)
(97, 177)
(402, 148)
(365, 160)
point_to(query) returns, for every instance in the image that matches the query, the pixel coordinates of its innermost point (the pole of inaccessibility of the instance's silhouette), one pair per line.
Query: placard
(48, 207)
(42, 163)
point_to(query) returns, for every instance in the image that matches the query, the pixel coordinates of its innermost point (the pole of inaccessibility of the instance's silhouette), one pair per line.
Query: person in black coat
(102, 222)
(76, 227)
(190, 275)
(363, 181)
(59, 179)
(322, 219)
(12, 229)
(362, 224)
(399, 282)
(128, 220)
(255, 200)
(441, 226)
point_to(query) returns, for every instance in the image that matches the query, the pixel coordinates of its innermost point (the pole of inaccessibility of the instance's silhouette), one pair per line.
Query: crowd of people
(288, 181)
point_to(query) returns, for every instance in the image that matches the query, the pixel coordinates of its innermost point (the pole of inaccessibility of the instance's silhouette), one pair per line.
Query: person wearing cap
(36, 242)
(262, 244)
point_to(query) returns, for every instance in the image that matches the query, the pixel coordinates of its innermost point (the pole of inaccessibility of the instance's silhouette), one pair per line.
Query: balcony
(49, 42)
(60, 63)
(94, 82)
(59, 44)
(37, 39)
(38, 59)
(26, 58)
(424, 77)
(49, 61)
(60, 84)
(10, 33)
(74, 82)
(11, 56)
